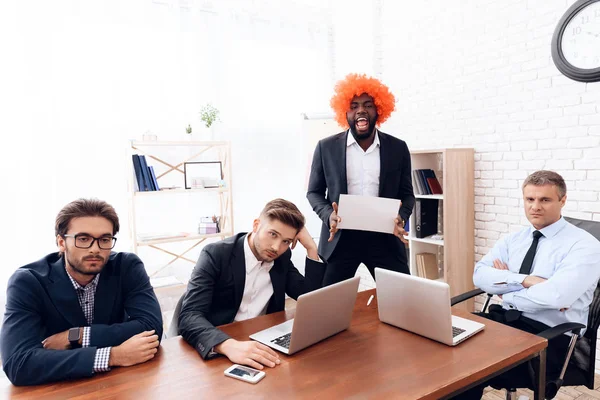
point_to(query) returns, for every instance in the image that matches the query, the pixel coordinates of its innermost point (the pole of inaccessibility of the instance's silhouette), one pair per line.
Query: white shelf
(430, 196)
(455, 170)
(177, 143)
(433, 151)
(196, 190)
(193, 236)
(437, 242)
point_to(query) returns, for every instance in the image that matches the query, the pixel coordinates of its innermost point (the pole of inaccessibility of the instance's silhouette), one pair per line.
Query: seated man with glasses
(82, 310)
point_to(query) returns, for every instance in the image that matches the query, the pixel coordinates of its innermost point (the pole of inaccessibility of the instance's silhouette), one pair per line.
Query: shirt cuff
(85, 340)
(101, 359)
(319, 260)
(508, 301)
(212, 353)
(516, 279)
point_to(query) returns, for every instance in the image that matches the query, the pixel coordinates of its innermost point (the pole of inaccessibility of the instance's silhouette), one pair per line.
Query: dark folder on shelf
(145, 175)
(423, 177)
(153, 177)
(426, 217)
(138, 173)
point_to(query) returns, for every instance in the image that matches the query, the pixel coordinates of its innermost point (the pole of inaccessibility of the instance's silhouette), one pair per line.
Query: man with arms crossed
(82, 310)
(245, 276)
(545, 274)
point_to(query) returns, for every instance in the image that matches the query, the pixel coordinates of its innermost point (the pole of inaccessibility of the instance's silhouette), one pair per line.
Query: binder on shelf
(430, 178)
(145, 175)
(426, 217)
(423, 179)
(153, 178)
(418, 186)
(435, 186)
(152, 187)
(138, 173)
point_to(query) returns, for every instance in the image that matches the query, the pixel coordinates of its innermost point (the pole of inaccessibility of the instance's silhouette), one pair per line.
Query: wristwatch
(74, 336)
(402, 222)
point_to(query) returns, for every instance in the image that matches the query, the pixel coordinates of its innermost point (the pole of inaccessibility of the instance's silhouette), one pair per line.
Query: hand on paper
(333, 221)
(399, 230)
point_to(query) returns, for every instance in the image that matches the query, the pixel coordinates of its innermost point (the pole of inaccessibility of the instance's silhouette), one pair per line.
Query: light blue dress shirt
(567, 256)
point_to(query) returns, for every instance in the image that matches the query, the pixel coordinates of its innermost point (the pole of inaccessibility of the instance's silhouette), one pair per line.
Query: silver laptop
(421, 306)
(319, 314)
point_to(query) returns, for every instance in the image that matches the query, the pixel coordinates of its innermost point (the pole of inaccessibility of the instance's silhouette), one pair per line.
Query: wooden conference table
(369, 360)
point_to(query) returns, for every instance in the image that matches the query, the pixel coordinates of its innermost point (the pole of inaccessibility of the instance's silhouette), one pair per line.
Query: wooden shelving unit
(187, 152)
(454, 169)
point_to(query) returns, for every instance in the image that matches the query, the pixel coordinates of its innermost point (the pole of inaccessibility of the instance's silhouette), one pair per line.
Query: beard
(361, 136)
(264, 254)
(78, 265)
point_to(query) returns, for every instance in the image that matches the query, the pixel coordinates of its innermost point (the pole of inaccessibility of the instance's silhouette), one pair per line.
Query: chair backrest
(174, 327)
(584, 356)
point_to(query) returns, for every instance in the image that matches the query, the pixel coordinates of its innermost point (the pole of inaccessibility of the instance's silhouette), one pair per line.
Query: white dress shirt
(566, 256)
(362, 167)
(258, 288)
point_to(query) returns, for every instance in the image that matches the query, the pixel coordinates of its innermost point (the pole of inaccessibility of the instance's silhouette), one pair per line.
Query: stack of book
(144, 175)
(209, 225)
(425, 182)
(427, 265)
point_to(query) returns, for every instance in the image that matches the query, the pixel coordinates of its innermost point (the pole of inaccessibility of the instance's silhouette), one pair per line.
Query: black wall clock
(576, 42)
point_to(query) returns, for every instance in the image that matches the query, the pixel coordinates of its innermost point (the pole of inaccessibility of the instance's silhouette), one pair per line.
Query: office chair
(174, 327)
(581, 354)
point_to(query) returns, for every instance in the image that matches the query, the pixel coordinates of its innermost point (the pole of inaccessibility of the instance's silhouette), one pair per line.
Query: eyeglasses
(83, 241)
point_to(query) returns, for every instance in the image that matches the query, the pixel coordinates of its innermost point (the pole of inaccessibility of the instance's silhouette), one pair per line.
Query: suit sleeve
(24, 360)
(194, 326)
(296, 284)
(141, 308)
(407, 195)
(317, 187)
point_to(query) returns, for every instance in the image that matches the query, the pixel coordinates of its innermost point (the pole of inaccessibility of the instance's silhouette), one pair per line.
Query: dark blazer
(328, 180)
(41, 301)
(216, 287)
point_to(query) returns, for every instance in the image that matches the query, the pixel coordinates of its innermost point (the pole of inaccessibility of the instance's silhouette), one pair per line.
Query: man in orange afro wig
(362, 161)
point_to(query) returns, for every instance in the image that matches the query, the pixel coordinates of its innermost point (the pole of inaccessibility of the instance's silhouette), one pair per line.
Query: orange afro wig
(355, 85)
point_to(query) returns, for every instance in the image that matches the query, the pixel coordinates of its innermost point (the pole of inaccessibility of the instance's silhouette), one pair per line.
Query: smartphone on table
(244, 373)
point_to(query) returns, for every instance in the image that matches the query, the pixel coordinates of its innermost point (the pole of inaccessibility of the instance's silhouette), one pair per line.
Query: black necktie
(528, 260)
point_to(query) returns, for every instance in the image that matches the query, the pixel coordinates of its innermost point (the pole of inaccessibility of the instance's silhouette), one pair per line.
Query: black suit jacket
(328, 180)
(41, 301)
(216, 287)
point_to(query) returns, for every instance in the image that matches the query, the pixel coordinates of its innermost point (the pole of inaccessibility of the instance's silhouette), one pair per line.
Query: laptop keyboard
(283, 341)
(456, 331)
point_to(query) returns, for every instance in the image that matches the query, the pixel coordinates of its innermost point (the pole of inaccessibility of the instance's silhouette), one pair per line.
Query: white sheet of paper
(368, 213)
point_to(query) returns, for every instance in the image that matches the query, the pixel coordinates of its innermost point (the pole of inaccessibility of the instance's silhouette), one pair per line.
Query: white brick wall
(479, 74)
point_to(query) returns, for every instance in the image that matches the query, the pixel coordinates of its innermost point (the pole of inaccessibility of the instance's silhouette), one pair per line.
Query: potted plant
(209, 114)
